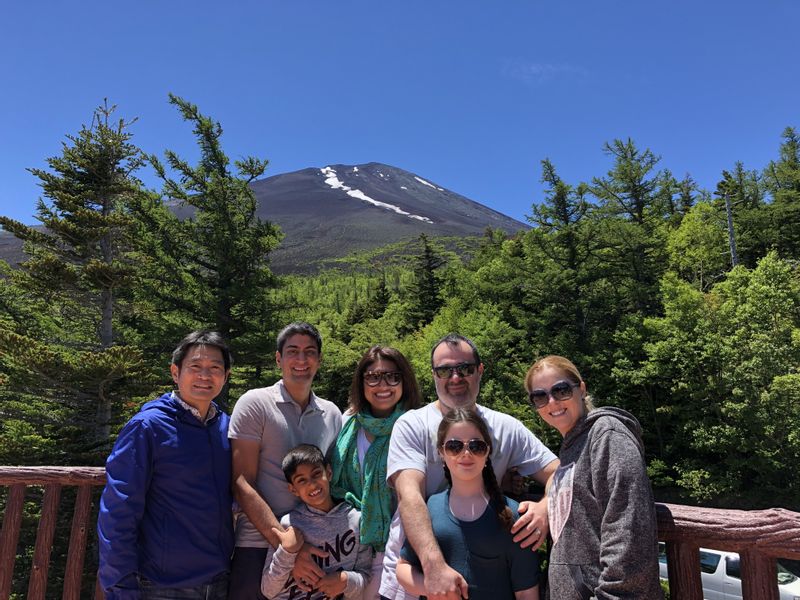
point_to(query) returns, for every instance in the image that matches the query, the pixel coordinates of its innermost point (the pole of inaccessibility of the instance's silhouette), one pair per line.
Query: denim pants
(216, 589)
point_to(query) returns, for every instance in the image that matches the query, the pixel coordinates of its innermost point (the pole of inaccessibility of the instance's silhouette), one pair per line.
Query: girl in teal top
(472, 520)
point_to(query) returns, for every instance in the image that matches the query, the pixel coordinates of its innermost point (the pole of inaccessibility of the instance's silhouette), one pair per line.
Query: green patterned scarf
(371, 495)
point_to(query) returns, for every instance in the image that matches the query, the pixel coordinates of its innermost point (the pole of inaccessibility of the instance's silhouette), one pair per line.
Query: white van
(721, 577)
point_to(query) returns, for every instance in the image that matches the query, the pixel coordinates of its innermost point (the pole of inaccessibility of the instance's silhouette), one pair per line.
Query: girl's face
(561, 414)
(383, 396)
(468, 463)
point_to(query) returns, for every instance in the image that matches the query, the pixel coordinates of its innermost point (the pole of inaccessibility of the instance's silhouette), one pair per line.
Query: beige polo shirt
(270, 417)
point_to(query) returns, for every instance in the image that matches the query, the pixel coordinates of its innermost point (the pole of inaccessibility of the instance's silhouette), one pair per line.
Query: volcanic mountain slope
(339, 209)
(333, 211)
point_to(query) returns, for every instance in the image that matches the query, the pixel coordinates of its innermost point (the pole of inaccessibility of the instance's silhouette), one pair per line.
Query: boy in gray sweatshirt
(321, 522)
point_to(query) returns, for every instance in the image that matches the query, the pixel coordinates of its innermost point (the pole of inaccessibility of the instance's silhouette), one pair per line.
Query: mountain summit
(338, 209)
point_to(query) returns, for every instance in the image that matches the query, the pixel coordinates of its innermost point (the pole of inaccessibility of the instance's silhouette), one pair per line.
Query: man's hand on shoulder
(442, 582)
(306, 572)
(532, 526)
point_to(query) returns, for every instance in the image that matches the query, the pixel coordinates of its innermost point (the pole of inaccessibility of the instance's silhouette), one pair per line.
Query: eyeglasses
(560, 391)
(462, 370)
(392, 378)
(476, 447)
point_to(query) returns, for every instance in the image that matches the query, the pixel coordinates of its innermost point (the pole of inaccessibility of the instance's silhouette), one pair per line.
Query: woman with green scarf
(383, 388)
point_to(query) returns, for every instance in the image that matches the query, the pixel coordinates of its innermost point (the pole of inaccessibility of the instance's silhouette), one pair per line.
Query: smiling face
(299, 361)
(200, 376)
(466, 466)
(456, 391)
(559, 414)
(312, 484)
(383, 397)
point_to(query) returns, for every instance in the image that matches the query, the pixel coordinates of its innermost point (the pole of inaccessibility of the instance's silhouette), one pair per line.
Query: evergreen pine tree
(81, 262)
(782, 181)
(424, 293)
(208, 260)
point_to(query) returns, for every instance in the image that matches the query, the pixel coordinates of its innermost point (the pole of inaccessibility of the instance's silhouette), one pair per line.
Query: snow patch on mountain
(423, 182)
(334, 182)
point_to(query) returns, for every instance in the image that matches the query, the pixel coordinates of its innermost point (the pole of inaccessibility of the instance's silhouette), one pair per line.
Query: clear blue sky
(471, 95)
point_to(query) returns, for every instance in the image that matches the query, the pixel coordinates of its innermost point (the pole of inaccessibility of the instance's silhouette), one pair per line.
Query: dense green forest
(679, 304)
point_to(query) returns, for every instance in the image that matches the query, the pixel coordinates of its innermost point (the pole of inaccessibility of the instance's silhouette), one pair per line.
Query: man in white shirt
(415, 469)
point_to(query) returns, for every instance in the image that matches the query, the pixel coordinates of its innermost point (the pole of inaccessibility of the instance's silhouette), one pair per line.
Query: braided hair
(496, 498)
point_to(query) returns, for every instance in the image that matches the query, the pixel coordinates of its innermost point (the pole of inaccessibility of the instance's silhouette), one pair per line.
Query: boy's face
(312, 484)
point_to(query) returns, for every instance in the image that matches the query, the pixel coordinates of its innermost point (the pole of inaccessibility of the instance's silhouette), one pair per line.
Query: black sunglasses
(561, 390)
(392, 378)
(462, 370)
(476, 447)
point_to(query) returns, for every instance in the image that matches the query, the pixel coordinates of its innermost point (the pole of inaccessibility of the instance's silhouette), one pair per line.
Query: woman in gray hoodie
(601, 511)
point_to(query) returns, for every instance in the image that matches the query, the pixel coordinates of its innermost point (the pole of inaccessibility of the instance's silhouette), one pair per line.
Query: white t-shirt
(413, 446)
(270, 417)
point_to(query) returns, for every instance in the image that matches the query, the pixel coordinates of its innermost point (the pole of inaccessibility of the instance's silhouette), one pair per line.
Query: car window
(785, 575)
(709, 561)
(792, 566)
(732, 567)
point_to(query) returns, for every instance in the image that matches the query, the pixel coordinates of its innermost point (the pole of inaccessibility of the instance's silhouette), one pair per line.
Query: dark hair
(304, 454)
(202, 337)
(302, 328)
(454, 339)
(411, 397)
(496, 497)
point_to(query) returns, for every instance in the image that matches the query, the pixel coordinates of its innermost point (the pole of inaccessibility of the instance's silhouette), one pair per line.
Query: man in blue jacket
(165, 525)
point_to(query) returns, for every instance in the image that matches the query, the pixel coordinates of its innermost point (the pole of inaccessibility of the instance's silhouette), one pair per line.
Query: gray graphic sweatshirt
(602, 516)
(336, 532)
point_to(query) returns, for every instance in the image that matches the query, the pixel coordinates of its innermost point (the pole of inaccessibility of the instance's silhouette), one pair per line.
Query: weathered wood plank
(37, 585)
(683, 566)
(759, 576)
(774, 532)
(46, 475)
(9, 537)
(77, 543)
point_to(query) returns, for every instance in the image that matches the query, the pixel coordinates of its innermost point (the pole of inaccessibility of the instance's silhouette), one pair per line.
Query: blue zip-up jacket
(165, 513)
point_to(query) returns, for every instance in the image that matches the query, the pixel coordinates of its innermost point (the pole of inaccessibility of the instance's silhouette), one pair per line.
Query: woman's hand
(531, 528)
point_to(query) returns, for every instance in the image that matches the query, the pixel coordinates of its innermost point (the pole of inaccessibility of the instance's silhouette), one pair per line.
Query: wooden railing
(52, 479)
(758, 536)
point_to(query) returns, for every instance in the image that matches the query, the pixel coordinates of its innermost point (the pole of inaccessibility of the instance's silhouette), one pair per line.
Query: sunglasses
(476, 447)
(392, 378)
(462, 370)
(560, 391)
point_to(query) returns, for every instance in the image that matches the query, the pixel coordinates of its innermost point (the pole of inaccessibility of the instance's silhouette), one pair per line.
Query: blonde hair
(567, 369)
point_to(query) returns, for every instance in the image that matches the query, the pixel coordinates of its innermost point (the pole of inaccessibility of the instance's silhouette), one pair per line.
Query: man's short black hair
(454, 339)
(301, 328)
(202, 337)
(304, 454)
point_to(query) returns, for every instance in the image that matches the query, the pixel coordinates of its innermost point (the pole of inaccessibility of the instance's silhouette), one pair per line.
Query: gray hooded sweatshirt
(602, 516)
(337, 533)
